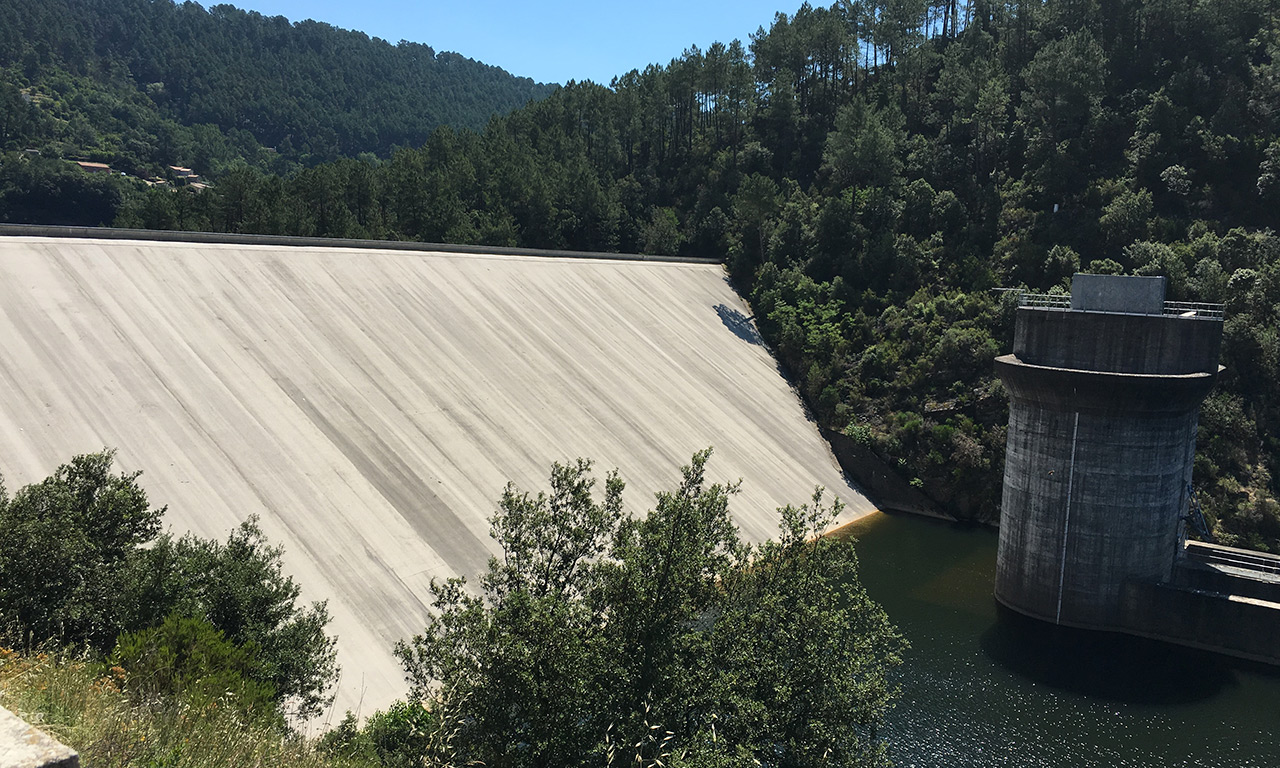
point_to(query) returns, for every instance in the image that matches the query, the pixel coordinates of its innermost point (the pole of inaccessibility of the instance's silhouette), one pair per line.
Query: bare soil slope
(370, 406)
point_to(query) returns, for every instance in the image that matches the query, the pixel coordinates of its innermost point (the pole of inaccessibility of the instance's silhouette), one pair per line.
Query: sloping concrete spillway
(371, 405)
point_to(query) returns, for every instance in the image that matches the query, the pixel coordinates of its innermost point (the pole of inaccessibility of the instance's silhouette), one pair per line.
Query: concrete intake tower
(1105, 392)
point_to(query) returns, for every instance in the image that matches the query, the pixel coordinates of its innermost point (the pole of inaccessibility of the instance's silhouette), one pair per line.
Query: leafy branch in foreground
(594, 631)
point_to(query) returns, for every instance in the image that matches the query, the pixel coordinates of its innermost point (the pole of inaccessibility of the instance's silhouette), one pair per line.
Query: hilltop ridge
(152, 79)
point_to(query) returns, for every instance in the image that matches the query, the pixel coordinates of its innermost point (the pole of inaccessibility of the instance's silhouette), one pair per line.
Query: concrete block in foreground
(22, 745)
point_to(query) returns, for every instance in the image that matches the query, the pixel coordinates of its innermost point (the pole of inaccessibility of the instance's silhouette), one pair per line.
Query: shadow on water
(1105, 665)
(739, 323)
(991, 689)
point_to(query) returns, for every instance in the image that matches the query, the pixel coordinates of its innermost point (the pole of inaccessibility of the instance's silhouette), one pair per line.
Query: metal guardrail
(1193, 309)
(1045, 300)
(1177, 308)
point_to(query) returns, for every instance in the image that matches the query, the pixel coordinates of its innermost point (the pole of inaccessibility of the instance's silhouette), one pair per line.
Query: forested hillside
(870, 172)
(133, 82)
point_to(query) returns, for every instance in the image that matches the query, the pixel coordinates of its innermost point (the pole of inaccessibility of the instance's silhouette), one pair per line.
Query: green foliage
(662, 235)
(67, 545)
(863, 149)
(399, 737)
(1126, 218)
(109, 725)
(37, 189)
(80, 563)
(1061, 263)
(596, 631)
(806, 650)
(239, 587)
(191, 659)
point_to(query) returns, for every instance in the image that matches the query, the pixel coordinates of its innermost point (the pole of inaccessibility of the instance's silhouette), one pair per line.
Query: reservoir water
(982, 686)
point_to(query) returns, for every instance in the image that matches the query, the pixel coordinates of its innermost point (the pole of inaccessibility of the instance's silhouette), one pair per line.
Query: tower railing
(1045, 300)
(1192, 309)
(1178, 308)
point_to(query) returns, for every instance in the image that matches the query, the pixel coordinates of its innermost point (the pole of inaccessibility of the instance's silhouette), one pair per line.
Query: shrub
(189, 657)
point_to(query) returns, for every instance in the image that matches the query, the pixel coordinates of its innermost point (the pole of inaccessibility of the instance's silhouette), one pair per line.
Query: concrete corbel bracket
(22, 745)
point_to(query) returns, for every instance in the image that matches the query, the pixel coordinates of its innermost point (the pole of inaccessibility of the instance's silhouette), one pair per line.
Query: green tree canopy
(82, 561)
(65, 550)
(240, 587)
(597, 636)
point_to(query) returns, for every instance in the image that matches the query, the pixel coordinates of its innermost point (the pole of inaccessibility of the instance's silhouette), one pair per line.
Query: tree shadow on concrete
(742, 326)
(1106, 665)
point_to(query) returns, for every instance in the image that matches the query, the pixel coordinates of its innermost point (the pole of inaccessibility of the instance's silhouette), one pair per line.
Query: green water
(982, 686)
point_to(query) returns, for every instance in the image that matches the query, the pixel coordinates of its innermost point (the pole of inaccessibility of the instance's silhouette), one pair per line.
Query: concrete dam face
(370, 405)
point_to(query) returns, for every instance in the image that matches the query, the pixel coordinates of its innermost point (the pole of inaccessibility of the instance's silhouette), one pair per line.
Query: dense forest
(869, 172)
(140, 84)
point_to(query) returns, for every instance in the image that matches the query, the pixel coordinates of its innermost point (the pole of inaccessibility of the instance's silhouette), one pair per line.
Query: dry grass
(83, 706)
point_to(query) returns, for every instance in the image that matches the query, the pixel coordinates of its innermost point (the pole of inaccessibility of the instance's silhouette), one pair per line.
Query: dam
(369, 404)
(1105, 387)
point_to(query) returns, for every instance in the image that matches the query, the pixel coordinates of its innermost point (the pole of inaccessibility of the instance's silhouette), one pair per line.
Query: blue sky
(550, 41)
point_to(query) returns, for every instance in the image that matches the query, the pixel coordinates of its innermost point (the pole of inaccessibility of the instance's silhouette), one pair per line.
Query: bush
(189, 658)
(67, 543)
(75, 703)
(396, 738)
(80, 562)
(241, 589)
(595, 629)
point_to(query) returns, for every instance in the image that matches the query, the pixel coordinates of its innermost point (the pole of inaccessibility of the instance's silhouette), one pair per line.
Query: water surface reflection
(984, 686)
(1104, 665)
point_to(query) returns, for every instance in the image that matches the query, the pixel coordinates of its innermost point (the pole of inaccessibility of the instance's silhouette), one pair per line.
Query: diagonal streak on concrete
(370, 405)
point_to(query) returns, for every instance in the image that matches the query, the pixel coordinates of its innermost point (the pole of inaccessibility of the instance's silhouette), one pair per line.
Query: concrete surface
(22, 745)
(1118, 293)
(231, 238)
(1223, 622)
(1118, 343)
(371, 405)
(1091, 500)
(1102, 430)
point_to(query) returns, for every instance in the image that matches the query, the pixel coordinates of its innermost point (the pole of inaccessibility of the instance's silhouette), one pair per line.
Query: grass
(85, 706)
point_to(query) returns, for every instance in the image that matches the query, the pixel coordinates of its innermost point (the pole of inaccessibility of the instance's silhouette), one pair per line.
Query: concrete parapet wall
(1117, 343)
(22, 745)
(1225, 623)
(226, 238)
